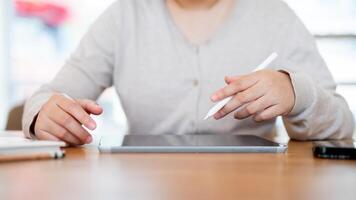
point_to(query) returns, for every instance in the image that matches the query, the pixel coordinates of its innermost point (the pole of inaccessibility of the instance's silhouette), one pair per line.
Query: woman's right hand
(61, 118)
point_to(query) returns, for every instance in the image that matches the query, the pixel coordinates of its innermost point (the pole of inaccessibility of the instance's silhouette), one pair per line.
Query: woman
(166, 59)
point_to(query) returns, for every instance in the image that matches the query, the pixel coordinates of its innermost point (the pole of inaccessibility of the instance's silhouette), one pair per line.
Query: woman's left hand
(266, 93)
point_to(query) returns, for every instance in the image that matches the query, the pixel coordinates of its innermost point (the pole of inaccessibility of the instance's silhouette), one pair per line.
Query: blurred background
(37, 36)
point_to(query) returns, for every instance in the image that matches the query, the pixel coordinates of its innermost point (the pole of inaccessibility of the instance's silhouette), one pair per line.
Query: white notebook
(14, 146)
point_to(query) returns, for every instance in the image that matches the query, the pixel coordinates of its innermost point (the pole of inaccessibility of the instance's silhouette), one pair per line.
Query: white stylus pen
(223, 102)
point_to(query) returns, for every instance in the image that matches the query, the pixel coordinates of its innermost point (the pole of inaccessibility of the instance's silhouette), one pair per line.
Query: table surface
(86, 174)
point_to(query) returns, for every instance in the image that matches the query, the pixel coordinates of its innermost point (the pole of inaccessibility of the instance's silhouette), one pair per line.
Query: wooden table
(86, 174)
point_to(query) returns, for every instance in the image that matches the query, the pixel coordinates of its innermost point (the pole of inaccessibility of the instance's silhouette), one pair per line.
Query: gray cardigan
(164, 82)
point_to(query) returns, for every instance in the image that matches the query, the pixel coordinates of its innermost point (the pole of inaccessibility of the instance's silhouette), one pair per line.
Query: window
(333, 23)
(4, 61)
(53, 30)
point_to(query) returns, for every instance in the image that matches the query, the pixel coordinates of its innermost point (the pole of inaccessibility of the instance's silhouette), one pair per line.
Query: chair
(14, 118)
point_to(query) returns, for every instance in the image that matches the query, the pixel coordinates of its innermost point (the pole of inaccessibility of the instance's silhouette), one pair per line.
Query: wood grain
(87, 174)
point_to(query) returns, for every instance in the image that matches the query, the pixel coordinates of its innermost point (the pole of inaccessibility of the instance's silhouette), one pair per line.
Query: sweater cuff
(32, 108)
(303, 90)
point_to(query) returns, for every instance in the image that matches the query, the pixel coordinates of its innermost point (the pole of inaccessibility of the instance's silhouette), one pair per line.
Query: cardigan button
(195, 82)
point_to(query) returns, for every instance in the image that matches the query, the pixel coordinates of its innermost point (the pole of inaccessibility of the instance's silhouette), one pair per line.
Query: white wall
(4, 60)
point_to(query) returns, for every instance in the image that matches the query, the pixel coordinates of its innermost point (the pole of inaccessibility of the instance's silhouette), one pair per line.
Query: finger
(90, 107)
(239, 99)
(254, 107)
(269, 113)
(234, 87)
(75, 109)
(71, 124)
(44, 135)
(60, 132)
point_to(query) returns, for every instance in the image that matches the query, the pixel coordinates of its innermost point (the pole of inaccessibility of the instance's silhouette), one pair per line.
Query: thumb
(90, 106)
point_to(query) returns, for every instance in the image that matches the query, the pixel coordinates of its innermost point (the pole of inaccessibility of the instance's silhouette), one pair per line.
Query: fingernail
(89, 139)
(217, 116)
(91, 125)
(214, 97)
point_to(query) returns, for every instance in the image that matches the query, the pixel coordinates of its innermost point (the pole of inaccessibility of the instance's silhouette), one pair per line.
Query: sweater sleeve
(319, 112)
(86, 73)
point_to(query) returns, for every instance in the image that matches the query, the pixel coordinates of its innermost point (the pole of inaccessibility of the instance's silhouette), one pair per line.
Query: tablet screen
(195, 140)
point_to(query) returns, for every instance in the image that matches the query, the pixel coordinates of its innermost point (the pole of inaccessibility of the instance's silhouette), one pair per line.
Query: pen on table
(223, 102)
(36, 156)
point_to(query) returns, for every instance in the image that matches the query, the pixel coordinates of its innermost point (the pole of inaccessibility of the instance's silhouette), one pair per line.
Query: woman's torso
(164, 82)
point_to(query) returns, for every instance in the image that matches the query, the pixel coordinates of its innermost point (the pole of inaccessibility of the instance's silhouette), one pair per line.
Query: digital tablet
(214, 143)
